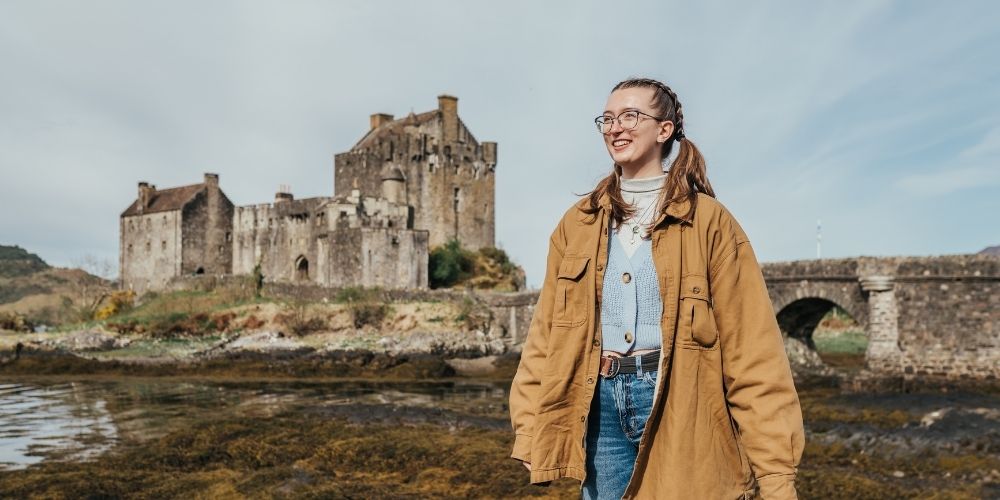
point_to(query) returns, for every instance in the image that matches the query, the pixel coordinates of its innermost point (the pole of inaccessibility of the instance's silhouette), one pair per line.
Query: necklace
(637, 224)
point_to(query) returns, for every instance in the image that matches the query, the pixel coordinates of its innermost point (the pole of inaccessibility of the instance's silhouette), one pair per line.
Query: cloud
(800, 109)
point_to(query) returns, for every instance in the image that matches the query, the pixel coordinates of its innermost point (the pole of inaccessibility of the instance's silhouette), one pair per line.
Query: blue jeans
(617, 419)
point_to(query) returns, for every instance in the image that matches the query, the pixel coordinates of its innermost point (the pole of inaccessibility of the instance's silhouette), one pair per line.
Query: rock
(805, 360)
(91, 341)
(264, 341)
(898, 474)
(473, 366)
(932, 417)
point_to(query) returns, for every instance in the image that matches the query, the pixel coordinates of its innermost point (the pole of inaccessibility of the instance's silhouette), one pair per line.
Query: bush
(15, 322)
(366, 305)
(500, 257)
(449, 264)
(299, 320)
(474, 315)
(368, 313)
(116, 303)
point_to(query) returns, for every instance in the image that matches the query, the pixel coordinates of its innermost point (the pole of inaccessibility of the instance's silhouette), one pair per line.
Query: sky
(878, 120)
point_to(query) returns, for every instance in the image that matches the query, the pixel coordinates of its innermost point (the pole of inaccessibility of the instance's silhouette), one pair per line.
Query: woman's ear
(666, 132)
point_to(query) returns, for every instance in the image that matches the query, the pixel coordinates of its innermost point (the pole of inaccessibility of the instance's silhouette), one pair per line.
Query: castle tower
(446, 175)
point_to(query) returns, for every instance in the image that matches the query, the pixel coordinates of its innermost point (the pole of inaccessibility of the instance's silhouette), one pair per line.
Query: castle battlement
(406, 185)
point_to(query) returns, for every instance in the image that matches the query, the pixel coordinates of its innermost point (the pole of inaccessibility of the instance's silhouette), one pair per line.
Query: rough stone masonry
(408, 184)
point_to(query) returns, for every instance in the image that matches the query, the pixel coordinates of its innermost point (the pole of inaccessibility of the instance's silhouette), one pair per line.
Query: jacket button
(590, 380)
(626, 277)
(597, 342)
(600, 267)
(583, 418)
(696, 289)
(628, 336)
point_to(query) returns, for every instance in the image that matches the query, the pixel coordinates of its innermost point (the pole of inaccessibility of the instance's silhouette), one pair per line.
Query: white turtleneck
(643, 193)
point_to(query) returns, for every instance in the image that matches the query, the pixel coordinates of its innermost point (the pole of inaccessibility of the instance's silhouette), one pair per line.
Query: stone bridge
(923, 315)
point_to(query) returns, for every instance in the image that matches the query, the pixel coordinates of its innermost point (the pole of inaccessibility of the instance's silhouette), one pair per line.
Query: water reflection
(55, 421)
(78, 420)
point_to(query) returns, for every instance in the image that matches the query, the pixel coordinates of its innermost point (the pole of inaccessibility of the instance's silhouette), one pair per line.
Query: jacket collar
(675, 210)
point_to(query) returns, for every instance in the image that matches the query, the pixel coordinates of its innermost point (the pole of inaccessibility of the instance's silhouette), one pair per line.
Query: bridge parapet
(932, 315)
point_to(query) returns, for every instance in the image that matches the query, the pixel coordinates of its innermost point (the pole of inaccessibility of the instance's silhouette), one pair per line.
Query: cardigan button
(626, 277)
(628, 336)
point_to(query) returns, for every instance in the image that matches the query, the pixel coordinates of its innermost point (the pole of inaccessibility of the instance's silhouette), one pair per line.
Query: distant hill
(16, 261)
(994, 250)
(31, 287)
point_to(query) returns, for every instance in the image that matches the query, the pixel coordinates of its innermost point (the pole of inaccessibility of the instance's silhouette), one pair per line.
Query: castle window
(222, 249)
(130, 249)
(229, 236)
(147, 247)
(163, 245)
(164, 221)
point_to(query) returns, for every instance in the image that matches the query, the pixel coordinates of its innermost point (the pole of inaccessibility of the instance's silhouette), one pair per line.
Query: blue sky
(882, 119)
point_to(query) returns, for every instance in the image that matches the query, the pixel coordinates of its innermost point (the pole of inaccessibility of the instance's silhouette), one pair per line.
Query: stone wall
(448, 176)
(150, 250)
(206, 227)
(925, 316)
(510, 311)
(949, 315)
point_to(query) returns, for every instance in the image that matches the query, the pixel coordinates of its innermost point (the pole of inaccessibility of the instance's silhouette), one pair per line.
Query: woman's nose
(616, 126)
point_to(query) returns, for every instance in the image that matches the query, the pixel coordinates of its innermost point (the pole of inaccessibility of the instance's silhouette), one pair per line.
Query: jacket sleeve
(525, 386)
(756, 373)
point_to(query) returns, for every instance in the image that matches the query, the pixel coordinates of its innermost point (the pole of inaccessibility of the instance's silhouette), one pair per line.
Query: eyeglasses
(627, 119)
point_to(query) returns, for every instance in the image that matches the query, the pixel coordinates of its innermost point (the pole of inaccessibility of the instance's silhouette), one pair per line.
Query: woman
(654, 366)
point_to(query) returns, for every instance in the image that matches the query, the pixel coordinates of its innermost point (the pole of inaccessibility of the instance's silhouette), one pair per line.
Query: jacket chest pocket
(696, 325)
(571, 292)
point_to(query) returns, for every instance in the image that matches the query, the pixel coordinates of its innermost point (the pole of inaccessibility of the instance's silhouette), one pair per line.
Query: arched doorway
(301, 269)
(200, 270)
(822, 334)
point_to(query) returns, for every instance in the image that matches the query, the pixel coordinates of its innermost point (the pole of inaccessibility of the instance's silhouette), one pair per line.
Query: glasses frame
(613, 119)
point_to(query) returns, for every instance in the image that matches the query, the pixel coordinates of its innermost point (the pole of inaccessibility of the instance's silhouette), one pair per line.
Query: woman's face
(639, 145)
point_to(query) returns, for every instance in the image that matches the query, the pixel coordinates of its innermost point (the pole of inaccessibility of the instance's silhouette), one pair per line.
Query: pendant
(635, 231)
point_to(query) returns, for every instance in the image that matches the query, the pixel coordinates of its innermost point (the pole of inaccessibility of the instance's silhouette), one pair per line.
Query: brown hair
(687, 175)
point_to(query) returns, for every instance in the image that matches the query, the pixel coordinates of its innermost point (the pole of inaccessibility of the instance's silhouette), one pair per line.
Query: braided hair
(687, 176)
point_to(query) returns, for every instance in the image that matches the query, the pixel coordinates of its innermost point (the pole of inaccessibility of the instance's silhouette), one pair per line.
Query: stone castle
(408, 185)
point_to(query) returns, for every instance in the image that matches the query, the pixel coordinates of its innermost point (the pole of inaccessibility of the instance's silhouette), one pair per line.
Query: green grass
(843, 342)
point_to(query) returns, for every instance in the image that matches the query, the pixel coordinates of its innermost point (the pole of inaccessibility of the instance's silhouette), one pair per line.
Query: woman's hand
(527, 465)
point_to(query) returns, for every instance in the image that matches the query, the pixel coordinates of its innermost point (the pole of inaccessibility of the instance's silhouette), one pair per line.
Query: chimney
(284, 194)
(212, 180)
(379, 119)
(448, 106)
(145, 195)
(490, 153)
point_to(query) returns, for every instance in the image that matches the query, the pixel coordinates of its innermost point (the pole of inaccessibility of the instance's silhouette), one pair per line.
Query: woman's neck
(647, 169)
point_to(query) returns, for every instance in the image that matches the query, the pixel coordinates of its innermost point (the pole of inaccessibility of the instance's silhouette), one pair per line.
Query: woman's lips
(620, 144)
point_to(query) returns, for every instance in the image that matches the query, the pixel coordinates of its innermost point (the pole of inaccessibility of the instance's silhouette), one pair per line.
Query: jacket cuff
(777, 486)
(522, 448)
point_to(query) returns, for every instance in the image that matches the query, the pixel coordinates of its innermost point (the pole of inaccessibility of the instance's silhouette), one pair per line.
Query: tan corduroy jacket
(727, 424)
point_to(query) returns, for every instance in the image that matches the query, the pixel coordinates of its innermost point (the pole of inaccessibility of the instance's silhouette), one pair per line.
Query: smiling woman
(628, 325)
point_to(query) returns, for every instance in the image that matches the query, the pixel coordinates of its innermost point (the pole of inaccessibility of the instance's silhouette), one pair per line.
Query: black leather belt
(613, 365)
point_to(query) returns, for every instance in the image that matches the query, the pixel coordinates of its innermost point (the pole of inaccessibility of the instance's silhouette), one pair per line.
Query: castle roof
(165, 200)
(395, 127)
